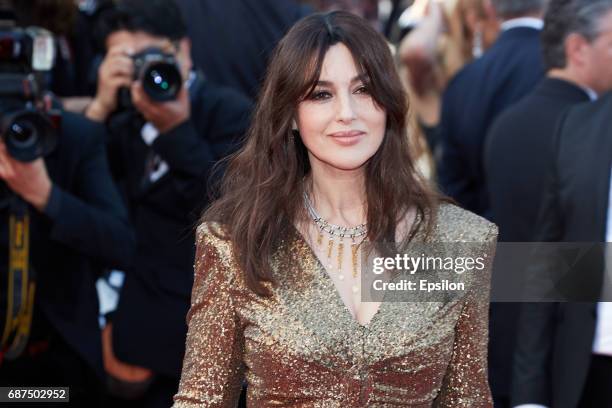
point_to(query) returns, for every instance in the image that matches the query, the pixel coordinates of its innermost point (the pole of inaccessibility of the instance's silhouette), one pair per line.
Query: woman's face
(340, 124)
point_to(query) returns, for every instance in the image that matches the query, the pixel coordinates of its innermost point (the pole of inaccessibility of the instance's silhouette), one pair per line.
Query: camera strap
(21, 283)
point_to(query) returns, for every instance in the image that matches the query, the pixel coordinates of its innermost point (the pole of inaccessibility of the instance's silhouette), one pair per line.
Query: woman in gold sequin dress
(277, 299)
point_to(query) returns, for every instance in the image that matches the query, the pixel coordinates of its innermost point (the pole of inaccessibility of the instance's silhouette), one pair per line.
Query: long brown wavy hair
(261, 195)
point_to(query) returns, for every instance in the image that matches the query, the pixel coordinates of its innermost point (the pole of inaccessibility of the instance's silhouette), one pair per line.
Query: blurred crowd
(509, 116)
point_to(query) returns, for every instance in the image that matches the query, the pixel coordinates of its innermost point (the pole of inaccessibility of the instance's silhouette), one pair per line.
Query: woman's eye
(320, 95)
(362, 90)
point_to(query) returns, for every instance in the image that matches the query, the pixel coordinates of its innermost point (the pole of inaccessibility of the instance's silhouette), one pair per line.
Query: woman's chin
(349, 164)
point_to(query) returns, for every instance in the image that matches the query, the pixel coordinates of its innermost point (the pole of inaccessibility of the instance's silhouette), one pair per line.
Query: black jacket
(149, 325)
(83, 229)
(518, 153)
(555, 340)
(508, 71)
(232, 39)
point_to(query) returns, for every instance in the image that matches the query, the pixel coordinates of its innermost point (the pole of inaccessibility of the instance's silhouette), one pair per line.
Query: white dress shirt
(530, 22)
(603, 332)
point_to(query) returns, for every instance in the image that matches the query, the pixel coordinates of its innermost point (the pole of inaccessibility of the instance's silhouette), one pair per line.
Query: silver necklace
(332, 231)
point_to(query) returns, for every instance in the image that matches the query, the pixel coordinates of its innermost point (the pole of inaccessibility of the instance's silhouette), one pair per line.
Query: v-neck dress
(301, 347)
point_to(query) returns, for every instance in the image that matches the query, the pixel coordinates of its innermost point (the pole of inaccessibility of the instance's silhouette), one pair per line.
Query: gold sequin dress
(303, 348)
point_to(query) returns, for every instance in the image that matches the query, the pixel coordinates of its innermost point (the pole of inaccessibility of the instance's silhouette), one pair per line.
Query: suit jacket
(518, 153)
(555, 340)
(509, 70)
(233, 39)
(83, 229)
(149, 327)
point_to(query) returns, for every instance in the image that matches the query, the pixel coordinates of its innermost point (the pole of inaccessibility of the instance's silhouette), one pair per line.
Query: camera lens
(159, 80)
(22, 134)
(162, 81)
(28, 134)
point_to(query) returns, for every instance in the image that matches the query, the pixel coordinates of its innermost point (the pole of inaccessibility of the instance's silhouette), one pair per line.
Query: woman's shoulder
(211, 233)
(212, 242)
(454, 224)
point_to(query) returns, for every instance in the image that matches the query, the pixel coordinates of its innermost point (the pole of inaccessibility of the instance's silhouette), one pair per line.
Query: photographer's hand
(116, 71)
(28, 180)
(164, 116)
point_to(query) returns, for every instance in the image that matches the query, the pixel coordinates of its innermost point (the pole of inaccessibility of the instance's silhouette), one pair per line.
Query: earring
(295, 132)
(477, 47)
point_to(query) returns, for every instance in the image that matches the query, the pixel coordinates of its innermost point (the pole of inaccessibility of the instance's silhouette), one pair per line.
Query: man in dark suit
(563, 357)
(233, 39)
(519, 144)
(78, 225)
(162, 154)
(509, 70)
(563, 354)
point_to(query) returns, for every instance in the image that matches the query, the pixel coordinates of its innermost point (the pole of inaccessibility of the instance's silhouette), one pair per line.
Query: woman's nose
(346, 108)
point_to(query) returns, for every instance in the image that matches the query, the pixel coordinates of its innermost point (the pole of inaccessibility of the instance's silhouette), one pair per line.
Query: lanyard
(21, 283)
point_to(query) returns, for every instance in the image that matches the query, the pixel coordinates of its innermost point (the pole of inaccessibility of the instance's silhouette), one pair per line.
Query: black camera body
(28, 125)
(159, 74)
(16, 48)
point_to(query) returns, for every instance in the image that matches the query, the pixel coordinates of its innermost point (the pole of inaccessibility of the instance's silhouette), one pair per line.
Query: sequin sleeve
(465, 383)
(212, 369)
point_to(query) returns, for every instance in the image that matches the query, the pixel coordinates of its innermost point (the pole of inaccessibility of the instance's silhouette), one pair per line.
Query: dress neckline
(325, 276)
(329, 283)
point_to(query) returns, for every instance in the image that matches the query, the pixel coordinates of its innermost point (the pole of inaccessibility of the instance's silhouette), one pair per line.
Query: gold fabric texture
(302, 348)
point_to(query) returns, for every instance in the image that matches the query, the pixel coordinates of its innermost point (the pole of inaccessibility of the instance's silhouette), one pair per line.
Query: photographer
(167, 127)
(56, 187)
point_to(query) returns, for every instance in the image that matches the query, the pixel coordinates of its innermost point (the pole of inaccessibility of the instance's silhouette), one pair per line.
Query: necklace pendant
(330, 247)
(355, 288)
(340, 277)
(320, 239)
(354, 258)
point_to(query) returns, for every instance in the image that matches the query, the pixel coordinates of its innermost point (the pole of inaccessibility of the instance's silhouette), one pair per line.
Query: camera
(159, 74)
(28, 128)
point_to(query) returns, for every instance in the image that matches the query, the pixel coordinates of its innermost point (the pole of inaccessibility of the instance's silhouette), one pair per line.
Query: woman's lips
(347, 138)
